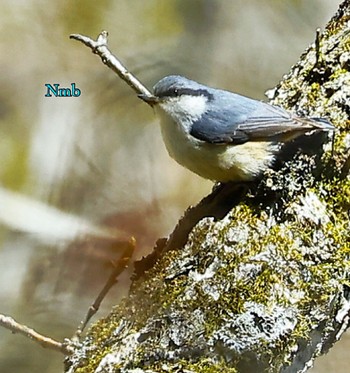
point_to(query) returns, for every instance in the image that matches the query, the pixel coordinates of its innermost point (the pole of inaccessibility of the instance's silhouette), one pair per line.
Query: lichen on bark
(266, 287)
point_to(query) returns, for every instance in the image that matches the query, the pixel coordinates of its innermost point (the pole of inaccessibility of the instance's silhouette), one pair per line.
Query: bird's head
(181, 98)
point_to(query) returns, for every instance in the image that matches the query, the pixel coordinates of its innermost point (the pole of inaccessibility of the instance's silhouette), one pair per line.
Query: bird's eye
(172, 92)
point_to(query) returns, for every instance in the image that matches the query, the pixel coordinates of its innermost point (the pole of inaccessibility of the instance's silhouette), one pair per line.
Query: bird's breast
(219, 162)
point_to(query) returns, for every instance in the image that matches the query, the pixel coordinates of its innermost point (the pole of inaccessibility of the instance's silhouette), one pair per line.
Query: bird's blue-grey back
(232, 118)
(221, 135)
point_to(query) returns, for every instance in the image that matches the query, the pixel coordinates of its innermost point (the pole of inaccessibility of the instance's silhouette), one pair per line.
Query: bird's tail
(323, 124)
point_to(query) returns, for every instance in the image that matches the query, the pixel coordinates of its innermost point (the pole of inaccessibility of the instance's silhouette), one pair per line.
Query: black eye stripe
(174, 92)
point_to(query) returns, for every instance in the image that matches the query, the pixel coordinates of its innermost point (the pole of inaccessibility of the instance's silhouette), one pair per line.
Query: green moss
(338, 196)
(296, 262)
(292, 242)
(204, 366)
(337, 74)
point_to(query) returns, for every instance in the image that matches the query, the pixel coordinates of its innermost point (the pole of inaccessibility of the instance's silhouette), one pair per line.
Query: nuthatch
(221, 135)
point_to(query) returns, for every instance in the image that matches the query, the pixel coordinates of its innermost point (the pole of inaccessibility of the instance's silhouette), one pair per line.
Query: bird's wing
(259, 121)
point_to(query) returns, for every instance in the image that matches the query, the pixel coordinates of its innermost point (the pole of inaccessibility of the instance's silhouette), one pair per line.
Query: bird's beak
(150, 100)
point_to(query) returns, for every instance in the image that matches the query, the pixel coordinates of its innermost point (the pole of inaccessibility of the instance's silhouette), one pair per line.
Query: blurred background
(71, 166)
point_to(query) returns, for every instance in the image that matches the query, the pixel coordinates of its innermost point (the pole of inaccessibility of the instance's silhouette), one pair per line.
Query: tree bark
(256, 277)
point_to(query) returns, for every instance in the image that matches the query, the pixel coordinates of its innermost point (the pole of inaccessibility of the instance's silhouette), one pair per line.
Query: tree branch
(100, 48)
(261, 282)
(119, 266)
(46, 342)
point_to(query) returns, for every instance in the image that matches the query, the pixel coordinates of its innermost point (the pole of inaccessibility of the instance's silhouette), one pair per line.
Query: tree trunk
(256, 277)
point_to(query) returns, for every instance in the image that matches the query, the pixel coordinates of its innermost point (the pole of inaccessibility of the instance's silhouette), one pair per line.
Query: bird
(221, 135)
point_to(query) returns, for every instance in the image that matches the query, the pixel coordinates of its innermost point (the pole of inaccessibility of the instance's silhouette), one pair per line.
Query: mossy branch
(250, 281)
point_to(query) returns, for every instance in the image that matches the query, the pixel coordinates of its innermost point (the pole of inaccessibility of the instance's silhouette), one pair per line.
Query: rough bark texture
(262, 282)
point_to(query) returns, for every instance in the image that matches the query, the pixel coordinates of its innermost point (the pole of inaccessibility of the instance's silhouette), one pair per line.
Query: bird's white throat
(185, 109)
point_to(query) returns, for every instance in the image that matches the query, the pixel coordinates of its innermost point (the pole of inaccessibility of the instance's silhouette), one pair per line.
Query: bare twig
(46, 342)
(119, 267)
(346, 168)
(100, 47)
(317, 44)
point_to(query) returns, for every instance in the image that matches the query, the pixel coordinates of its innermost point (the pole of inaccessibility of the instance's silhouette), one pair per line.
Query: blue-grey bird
(221, 135)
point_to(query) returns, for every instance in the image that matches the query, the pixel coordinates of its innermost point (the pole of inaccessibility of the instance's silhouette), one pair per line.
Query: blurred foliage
(101, 155)
(15, 158)
(87, 16)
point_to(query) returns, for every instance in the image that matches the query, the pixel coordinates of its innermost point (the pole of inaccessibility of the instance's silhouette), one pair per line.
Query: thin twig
(119, 267)
(46, 342)
(317, 44)
(345, 171)
(100, 48)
